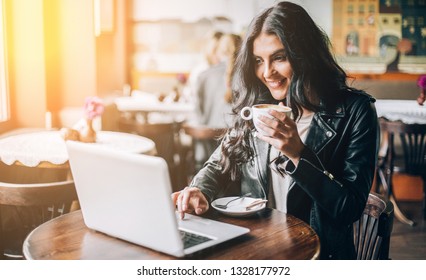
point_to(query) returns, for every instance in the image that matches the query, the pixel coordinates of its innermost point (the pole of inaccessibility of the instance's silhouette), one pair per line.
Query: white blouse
(280, 184)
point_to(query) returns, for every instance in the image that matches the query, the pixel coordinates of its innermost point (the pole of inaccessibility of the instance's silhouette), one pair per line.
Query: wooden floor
(409, 243)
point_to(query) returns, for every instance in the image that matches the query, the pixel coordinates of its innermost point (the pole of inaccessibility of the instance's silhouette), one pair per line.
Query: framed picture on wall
(379, 36)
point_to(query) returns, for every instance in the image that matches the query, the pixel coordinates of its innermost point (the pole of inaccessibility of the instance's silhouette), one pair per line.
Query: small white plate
(237, 208)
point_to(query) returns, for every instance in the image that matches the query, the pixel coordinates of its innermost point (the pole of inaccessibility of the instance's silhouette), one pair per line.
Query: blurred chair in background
(30, 196)
(166, 139)
(372, 232)
(201, 135)
(110, 117)
(23, 207)
(412, 161)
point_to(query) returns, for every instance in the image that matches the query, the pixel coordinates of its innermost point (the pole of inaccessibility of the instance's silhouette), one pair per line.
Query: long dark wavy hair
(316, 80)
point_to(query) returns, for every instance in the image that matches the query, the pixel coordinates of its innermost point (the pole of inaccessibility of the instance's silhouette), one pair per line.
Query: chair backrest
(413, 142)
(200, 132)
(166, 139)
(32, 204)
(163, 135)
(204, 140)
(145, 129)
(373, 230)
(37, 194)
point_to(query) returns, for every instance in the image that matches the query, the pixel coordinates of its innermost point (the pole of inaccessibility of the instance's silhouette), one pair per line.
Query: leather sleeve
(210, 179)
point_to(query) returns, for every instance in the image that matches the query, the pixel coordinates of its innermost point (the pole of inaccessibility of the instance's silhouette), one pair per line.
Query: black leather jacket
(332, 180)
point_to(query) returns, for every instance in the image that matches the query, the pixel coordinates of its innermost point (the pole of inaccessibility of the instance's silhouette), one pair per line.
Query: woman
(317, 165)
(212, 92)
(209, 58)
(213, 95)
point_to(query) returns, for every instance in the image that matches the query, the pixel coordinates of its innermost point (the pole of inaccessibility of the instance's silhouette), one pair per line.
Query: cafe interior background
(54, 54)
(56, 57)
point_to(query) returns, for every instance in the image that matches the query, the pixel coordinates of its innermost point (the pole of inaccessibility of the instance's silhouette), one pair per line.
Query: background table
(150, 109)
(273, 235)
(48, 149)
(407, 111)
(139, 104)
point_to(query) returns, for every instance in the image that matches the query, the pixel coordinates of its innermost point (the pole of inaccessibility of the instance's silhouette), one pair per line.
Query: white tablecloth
(30, 149)
(153, 110)
(142, 104)
(407, 111)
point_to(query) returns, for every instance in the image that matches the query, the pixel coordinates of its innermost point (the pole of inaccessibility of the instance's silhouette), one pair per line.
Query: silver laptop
(128, 196)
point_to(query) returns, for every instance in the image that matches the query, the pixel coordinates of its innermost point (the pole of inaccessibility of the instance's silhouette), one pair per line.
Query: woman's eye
(280, 58)
(258, 61)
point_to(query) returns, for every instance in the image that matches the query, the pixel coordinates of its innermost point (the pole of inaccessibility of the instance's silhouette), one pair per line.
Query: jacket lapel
(320, 134)
(324, 126)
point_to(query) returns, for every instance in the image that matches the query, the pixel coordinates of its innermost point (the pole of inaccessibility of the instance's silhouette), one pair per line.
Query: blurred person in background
(213, 87)
(209, 58)
(214, 95)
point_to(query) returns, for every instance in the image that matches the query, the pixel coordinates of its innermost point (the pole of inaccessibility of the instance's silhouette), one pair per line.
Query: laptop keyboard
(191, 239)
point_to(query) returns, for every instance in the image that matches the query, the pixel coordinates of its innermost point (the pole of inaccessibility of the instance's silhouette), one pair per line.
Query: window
(4, 101)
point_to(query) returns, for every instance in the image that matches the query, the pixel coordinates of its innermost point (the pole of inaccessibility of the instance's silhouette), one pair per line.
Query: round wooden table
(273, 235)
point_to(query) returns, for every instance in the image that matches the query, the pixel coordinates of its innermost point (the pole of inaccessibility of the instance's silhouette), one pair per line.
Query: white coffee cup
(255, 111)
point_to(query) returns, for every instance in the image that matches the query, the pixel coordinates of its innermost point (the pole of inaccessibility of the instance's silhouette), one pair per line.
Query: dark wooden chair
(163, 134)
(166, 139)
(23, 207)
(206, 138)
(372, 232)
(411, 160)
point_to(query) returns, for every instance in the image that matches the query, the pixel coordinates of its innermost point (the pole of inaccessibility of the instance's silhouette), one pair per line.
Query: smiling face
(272, 66)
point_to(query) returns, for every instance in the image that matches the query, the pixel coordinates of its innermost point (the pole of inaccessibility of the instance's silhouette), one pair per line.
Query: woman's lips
(275, 84)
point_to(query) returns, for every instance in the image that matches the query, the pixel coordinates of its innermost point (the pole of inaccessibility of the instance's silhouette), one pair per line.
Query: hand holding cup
(255, 111)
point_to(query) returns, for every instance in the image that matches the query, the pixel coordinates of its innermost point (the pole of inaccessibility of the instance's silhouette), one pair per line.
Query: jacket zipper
(325, 172)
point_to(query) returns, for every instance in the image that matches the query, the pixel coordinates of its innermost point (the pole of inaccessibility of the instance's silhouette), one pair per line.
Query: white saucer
(237, 208)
